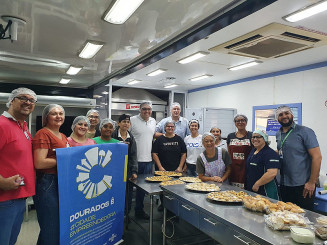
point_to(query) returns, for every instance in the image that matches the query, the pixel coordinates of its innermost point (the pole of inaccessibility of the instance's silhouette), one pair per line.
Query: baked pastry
(168, 173)
(205, 187)
(158, 178)
(190, 179)
(172, 182)
(285, 219)
(227, 196)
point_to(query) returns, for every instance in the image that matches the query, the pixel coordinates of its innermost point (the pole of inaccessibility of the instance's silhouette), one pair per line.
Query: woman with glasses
(46, 200)
(94, 118)
(239, 147)
(219, 142)
(194, 147)
(169, 151)
(80, 126)
(214, 163)
(262, 167)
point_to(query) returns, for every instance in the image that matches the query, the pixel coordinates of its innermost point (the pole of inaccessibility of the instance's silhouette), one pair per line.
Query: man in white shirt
(143, 128)
(181, 123)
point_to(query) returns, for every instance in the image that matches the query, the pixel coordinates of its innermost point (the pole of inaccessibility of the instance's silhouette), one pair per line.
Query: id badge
(280, 153)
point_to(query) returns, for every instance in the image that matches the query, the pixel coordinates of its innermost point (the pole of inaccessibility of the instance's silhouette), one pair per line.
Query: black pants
(294, 194)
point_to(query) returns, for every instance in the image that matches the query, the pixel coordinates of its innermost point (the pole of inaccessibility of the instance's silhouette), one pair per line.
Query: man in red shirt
(17, 174)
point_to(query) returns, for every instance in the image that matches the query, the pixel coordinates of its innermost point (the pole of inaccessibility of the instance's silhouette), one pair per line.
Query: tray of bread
(261, 204)
(227, 196)
(190, 179)
(172, 182)
(158, 178)
(168, 173)
(283, 220)
(202, 187)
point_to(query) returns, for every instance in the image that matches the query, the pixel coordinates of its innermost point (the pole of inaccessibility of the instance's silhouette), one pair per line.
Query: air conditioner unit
(272, 41)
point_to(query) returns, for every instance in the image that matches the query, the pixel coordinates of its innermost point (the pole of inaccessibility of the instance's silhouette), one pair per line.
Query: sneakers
(160, 208)
(141, 215)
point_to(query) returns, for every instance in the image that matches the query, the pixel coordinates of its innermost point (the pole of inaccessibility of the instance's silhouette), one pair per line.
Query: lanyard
(283, 141)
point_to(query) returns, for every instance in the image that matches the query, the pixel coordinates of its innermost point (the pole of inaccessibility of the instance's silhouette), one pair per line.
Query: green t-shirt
(98, 140)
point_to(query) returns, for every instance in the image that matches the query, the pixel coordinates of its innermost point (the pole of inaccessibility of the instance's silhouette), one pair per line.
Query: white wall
(306, 87)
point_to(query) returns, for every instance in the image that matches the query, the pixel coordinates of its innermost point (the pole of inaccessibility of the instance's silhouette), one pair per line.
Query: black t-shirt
(169, 151)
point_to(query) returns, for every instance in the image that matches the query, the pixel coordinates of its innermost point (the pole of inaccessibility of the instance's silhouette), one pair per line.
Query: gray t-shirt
(200, 164)
(296, 162)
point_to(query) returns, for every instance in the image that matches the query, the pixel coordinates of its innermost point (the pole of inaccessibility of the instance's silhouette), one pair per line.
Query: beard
(289, 123)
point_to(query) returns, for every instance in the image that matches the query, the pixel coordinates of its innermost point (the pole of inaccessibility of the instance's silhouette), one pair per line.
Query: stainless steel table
(151, 189)
(226, 223)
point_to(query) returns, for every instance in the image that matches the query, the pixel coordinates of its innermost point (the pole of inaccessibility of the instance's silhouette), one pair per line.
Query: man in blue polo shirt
(181, 123)
(300, 159)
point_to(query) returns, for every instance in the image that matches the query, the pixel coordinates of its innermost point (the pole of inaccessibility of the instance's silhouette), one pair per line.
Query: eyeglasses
(25, 99)
(146, 109)
(93, 117)
(257, 137)
(170, 126)
(240, 121)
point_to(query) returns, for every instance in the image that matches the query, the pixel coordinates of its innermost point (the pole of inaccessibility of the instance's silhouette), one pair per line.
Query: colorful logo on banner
(92, 182)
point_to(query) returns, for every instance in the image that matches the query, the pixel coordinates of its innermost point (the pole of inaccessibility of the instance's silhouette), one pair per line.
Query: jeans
(11, 218)
(191, 170)
(143, 168)
(47, 208)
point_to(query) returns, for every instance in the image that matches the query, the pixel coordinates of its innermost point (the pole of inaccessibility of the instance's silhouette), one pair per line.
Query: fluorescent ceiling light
(121, 10)
(73, 70)
(193, 57)
(156, 72)
(105, 92)
(95, 96)
(90, 49)
(133, 81)
(170, 86)
(307, 11)
(200, 77)
(246, 65)
(64, 80)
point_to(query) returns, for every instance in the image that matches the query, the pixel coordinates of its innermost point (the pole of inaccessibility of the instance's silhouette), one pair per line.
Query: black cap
(124, 117)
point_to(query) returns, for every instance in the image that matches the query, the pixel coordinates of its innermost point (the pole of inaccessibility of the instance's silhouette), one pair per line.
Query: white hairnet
(241, 115)
(174, 105)
(106, 121)
(169, 122)
(92, 111)
(46, 111)
(145, 103)
(80, 119)
(281, 109)
(16, 92)
(208, 134)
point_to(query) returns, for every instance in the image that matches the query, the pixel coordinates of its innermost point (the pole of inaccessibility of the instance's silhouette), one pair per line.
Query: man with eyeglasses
(300, 158)
(143, 128)
(17, 174)
(181, 123)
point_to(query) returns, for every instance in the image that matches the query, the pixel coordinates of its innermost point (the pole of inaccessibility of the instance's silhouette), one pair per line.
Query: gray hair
(169, 122)
(80, 119)
(208, 134)
(174, 105)
(92, 111)
(19, 91)
(241, 115)
(145, 103)
(106, 121)
(46, 112)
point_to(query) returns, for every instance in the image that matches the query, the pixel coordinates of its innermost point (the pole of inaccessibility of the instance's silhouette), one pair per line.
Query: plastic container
(302, 235)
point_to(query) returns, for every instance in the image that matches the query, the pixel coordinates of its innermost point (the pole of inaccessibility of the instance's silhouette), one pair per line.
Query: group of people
(174, 144)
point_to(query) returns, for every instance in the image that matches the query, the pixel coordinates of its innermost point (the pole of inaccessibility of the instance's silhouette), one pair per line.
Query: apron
(214, 168)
